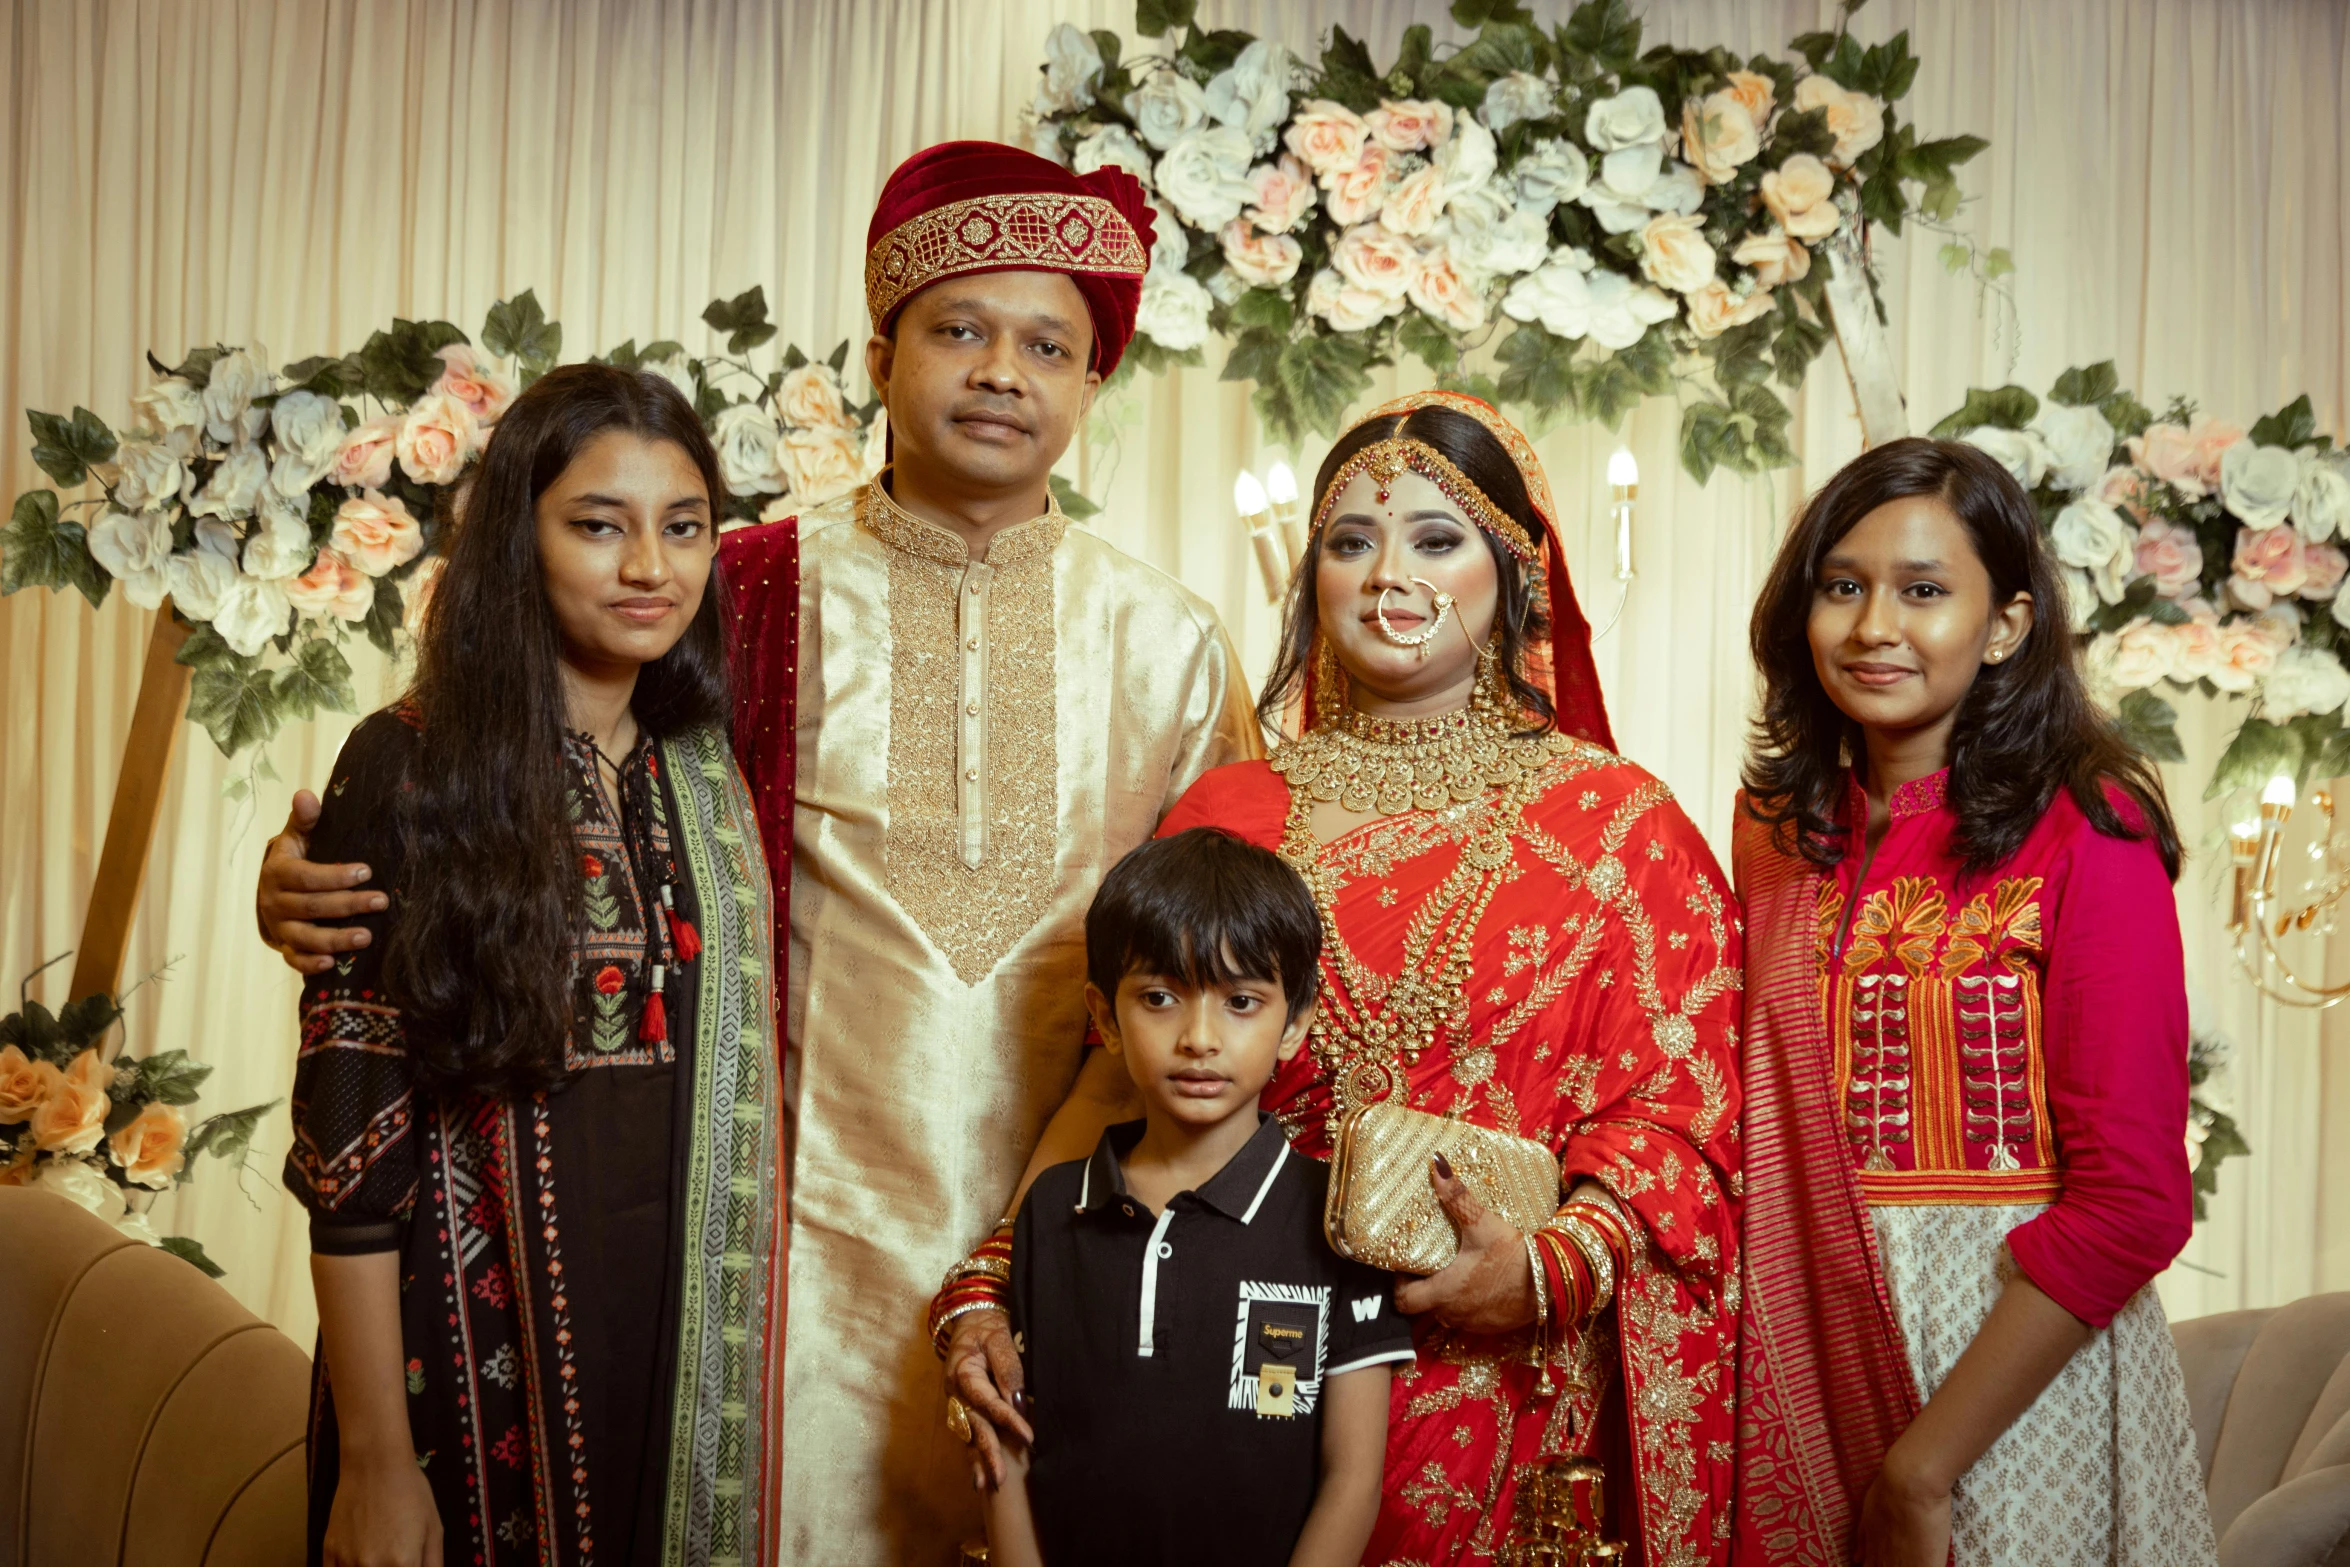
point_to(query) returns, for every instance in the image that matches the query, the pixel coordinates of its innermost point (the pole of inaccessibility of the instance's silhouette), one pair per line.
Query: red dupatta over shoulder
(1824, 1382)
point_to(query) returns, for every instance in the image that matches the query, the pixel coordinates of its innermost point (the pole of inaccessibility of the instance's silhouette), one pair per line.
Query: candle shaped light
(1281, 490)
(2276, 809)
(1623, 477)
(1248, 498)
(2243, 850)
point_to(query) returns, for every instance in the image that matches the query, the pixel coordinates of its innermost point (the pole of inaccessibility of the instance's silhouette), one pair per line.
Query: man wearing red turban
(978, 709)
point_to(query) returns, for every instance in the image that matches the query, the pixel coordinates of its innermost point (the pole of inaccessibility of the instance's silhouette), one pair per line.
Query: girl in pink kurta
(1965, 1060)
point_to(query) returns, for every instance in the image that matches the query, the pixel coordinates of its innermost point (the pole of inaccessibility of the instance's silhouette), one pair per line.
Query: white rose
(1676, 190)
(2080, 595)
(2258, 483)
(1413, 206)
(1043, 133)
(1166, 106)
(1572, 302)
(172, 412)
(1173, 312)
(135, 549)
(224, 539)
(2305, 680)
(309, 431)
(1619, 197)
(1253, 95)
(1205, 175)
(1170, 241)
(2321, 501)
(2020, 452)
(1346, 307)
(135, 1225)
(1491, 234)
(77, 1182)
(676, 370)
(2079, 442)
(197, 579)
(1466, 162)
(238, 376)
(150, 474)
(1631, 118)
(280, 543)
(1520, 95)
(235, 487)
(1112, 147)
(1071, 62)
(1224, 285)
(1549, 173)
(251, 612)
(2144, 653)
(2092, 535)
(746, 436)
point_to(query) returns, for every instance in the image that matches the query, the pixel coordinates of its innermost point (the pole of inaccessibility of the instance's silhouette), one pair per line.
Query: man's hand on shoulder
(295, 893)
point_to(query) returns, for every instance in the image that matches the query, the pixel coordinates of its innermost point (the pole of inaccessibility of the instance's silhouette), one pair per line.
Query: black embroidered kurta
(539, 1238)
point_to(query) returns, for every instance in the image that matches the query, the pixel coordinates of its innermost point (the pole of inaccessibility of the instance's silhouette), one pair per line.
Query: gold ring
(959, 1419)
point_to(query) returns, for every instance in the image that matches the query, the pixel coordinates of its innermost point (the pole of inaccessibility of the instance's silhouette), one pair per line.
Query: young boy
(1207, 1380)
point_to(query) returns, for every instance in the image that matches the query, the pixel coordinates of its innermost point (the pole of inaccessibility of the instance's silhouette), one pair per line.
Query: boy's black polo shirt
(1143, 1339)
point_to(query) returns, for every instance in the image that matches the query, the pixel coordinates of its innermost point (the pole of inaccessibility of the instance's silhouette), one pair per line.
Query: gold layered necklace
(1391, 765)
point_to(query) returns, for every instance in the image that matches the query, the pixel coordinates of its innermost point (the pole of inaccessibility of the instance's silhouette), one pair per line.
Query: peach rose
(1717, 136)
(1775, 257)
(332, 586)
(1674, 254)
(2171, 556)
(1346, 307)
(2248, 650)
(72, 1116)
(1754, 93)
(821, 464)
(1258, 259)
(2269, 564)
(2126, 488)
(375, 533)
(1376, 261)
(2326, 564)
(483, 388)
(150, 1148)
(1413, 207)
(1410, 124)
(22, 1088)
(2210, 439)
(1285, 193)
(811, 398)
(1354, 195)
(1439, 289)
(1713, 309)
(2167, 453)
(1800, 193)
(436, 438)
(2195, 646)
(1855, 119)
(365, 458)
(1327, 137)
(2141, 655)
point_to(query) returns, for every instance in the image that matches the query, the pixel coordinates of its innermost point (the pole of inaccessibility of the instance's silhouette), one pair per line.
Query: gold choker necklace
(1392, 765)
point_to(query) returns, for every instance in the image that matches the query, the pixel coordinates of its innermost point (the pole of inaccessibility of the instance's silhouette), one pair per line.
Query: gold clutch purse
(1382, 1210)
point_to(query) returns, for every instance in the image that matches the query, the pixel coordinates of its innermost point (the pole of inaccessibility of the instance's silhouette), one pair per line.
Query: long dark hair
(480, 960)
(1518, 619)
(2025, 729)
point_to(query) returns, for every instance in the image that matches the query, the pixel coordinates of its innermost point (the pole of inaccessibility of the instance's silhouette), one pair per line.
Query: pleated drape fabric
(2167, 173)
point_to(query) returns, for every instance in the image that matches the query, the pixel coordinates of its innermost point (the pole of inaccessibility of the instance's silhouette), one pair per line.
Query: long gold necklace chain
(1393, 765)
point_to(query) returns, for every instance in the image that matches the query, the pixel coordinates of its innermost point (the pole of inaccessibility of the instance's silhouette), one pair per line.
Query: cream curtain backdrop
(2168, 174)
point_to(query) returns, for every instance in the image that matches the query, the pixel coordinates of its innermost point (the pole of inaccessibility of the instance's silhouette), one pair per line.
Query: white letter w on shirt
(1366, 1307)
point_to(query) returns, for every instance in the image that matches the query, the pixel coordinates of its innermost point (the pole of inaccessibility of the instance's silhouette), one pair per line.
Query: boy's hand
(294, 892)
(1488, 1287)
(983, 1370)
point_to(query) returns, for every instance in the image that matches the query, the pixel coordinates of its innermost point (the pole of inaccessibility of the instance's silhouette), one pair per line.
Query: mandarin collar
(1914, 798)
(1235, 1191)
(881, 515)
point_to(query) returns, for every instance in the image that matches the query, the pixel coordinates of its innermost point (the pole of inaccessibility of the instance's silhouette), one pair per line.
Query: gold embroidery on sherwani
(973, 753)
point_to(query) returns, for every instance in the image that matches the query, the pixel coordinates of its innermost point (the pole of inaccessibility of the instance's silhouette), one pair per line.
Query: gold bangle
(946, 1318)
(1578, 1232)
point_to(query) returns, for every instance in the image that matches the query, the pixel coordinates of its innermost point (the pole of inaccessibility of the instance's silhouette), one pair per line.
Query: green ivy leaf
(399, 365)
(83, 1023)
(2291, 426)
(2152, 725)
(1152, 18)
(228, 1135)
(1998, 264)
(1428, 340)
(2008, 408)
(1607, 31)
(2126, 414)
(382, 624)
(169, 1076)
(38, 550)
(1210, 51)
(318, 677)
(1265, 308)
(519, 329)
(66, 449)
(743, 318)
(186, 1249)
(236, 705)
(2259, 752)
(1347, 74)
(1073, 501)
(2084, 385)
(1538, 370)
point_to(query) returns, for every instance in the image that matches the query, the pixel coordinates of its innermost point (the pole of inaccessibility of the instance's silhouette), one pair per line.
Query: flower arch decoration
(1549, 217)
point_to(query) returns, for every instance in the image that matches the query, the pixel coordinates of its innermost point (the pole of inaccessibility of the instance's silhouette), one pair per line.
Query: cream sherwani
(978, 742)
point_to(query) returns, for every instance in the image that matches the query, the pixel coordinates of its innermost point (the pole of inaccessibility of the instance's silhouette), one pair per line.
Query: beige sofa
(2270, 1391)
(146, 1419)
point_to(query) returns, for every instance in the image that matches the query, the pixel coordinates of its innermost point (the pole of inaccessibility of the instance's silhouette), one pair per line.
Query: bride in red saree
(1524, 932)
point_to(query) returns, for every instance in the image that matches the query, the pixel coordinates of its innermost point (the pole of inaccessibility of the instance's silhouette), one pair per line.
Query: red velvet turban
(980, 206)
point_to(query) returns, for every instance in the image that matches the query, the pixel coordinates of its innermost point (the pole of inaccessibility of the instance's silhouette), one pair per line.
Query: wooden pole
(138, 799)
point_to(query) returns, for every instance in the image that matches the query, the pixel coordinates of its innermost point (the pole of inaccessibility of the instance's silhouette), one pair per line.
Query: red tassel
(684, 937)
(655, 1027)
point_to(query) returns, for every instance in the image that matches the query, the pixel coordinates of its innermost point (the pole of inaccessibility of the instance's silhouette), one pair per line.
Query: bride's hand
(1488, 1287)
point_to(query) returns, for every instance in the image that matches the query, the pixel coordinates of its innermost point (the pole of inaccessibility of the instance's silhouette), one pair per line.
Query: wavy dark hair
(2025, 729)
(480, 959)
(1518, 619)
